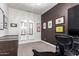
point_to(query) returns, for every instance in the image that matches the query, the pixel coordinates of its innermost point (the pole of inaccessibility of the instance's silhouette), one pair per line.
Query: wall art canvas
(59, 29)
(60, 20)
(50, 24)
(13, 25)
(44, 25)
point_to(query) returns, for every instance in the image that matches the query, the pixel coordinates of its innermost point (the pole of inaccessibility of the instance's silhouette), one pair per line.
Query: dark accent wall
(59, 10)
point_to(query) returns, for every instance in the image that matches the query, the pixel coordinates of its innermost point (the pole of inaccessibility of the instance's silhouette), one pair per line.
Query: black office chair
(45, 53)
(65, 44)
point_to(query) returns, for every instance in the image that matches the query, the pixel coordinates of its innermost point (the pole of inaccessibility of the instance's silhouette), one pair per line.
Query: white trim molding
(28, 41)
(54, 46)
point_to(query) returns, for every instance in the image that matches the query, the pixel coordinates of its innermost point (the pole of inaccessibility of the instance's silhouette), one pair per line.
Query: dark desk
(8, 45)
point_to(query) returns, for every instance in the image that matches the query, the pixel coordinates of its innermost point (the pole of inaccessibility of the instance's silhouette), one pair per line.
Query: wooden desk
(8, 45)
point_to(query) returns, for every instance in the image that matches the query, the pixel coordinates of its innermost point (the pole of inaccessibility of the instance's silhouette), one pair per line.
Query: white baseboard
(49, 44)
(29, 41)
(54, 46)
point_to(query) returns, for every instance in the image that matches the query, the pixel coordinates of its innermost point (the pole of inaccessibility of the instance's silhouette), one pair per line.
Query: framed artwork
(60, 20)
(59, 29)
(38, 27)
(44, 25)
(50, 24)
(1, 19)
(13, 25)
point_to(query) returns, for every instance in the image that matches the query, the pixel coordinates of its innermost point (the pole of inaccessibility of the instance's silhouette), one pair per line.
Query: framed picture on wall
(1, 19)
(50, 24)
(59, 29)
(13, 25)
(60, 20)
(44, 25)
(38, 27)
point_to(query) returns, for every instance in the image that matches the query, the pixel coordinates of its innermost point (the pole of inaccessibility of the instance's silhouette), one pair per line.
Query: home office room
(39, 29)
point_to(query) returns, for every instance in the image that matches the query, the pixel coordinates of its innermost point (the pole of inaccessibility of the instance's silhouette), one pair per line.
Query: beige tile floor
(26, 49)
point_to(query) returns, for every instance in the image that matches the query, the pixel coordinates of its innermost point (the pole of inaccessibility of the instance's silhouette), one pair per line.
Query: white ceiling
(38, 8)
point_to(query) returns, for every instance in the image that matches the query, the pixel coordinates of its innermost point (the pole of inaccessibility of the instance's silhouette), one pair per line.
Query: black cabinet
(8, 48)
(73, 21)
(8, 45)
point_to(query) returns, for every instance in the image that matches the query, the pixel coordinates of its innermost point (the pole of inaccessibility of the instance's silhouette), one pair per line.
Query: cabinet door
(71, 18)
(8, 48)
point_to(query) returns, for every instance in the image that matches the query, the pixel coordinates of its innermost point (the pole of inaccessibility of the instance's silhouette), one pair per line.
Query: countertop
(9, 37)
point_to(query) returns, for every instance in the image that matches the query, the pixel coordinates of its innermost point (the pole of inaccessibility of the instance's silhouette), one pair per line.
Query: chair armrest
(77, 51)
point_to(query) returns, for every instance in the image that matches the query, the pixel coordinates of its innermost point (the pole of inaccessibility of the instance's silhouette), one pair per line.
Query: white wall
(16, 16)
(3, 6)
